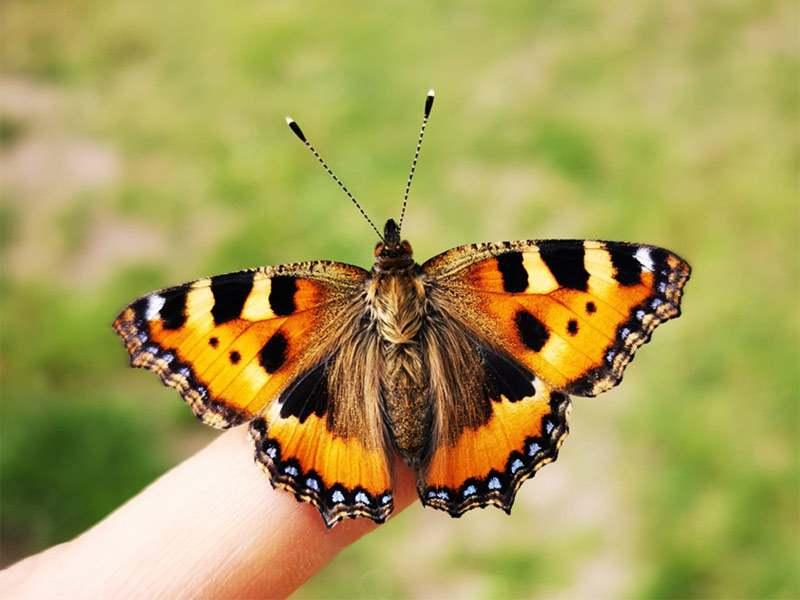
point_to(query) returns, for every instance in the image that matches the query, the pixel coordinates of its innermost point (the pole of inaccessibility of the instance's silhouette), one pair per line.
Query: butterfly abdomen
(407, 412)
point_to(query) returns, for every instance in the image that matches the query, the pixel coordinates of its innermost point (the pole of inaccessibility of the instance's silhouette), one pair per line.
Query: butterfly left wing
(548, 318)
(265, 345)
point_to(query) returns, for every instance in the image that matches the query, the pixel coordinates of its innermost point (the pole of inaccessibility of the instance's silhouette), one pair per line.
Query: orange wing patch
(341, 477)
(488, 464)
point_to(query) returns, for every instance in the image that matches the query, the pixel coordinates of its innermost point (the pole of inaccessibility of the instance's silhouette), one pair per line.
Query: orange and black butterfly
(463, 365)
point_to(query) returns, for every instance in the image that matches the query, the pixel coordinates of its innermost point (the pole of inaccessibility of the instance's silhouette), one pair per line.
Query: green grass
(668, 123)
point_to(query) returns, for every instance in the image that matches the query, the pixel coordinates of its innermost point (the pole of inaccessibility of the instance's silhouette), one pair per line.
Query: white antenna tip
(428, 103)
(296, 129)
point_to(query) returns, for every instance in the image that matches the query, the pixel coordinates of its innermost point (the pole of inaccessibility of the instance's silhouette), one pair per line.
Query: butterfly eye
(378, 248)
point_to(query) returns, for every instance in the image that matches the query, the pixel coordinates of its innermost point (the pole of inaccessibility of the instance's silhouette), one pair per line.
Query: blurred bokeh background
(143, 144)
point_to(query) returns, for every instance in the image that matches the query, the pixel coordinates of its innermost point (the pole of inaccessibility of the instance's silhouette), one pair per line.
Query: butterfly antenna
(299, 133)
(428, 106)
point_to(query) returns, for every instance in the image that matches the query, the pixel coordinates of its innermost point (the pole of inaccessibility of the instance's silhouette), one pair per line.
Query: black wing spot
(531, 330)
(572, 327)
(506, 377)
(173, 313)
(628, 270)
(235, 357)
(515, 277)
(307, 395)
(590, 308)
(660, 256)
(281, 295)
(259, 425)
(230, 293)
(557, 401)
(213, 342)
(140, 309)
(564, 258)
(273, 354)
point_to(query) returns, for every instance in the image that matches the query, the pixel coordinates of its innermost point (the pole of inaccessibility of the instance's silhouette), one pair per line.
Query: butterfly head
(391, 233)
(393, 251)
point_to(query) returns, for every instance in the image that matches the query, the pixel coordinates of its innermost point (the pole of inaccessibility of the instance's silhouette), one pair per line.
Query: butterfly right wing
(537, 320)
(265, 345)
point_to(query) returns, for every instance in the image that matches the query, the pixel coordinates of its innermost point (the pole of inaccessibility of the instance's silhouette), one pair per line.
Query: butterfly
(462, 365)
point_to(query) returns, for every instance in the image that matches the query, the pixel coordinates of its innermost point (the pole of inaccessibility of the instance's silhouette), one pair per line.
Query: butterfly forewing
(573, 312)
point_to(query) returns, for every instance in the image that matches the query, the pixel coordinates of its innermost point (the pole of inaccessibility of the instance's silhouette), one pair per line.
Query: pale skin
(212, 527)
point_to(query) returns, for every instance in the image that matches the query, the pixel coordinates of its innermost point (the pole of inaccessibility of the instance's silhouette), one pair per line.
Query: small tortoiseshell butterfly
(462, 365)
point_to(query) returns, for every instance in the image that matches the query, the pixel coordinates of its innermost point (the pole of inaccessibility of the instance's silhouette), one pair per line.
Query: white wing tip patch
(645, 259)
(155, 303)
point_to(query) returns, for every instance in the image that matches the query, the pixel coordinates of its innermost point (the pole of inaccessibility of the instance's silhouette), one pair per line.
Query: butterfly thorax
(396, 300)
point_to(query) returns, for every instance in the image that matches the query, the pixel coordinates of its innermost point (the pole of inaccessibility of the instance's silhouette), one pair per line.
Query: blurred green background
(143, 144)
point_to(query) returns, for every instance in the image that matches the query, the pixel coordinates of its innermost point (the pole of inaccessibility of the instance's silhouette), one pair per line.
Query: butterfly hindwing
(342, 476)
(484, 463)
(261, 345)
(573, 312)
(325, 439)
